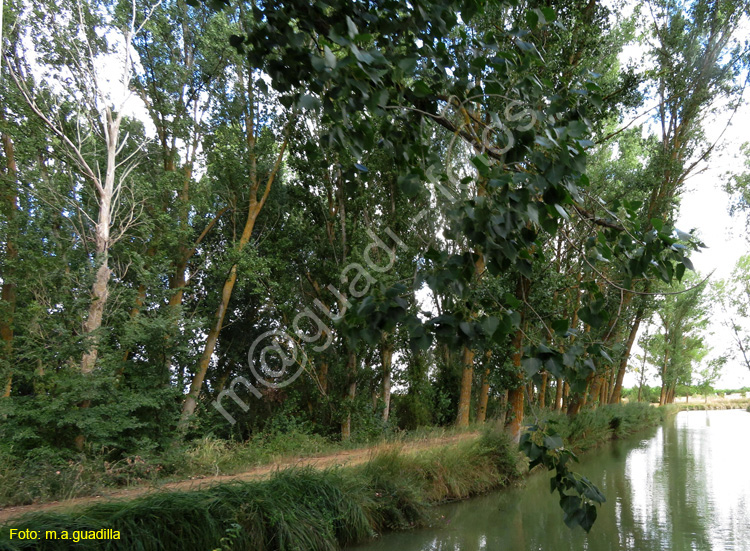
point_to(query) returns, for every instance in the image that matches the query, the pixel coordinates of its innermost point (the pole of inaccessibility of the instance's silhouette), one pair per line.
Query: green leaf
(570, 504)
(421, 90)
(549, 14)
(490, 325)
(237, 42)
(531, 366)
(318, 63)
(526, 46)
(408, 64)
(589, 517)
(532, 19)
(560, 326)
(561, 210)
(553, 441)
(577, 129)
(554, 366)
(682, 235)
(329, 57)
(307, 101)
(409, 184)
(680, 271)
(351, 27)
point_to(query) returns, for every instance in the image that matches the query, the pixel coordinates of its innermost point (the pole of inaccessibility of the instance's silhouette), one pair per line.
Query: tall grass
(44, 479)
(591, 428)
(306, 509)
(296, 509)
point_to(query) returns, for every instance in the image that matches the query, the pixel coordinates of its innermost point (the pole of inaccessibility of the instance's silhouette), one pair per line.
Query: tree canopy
(347, 216)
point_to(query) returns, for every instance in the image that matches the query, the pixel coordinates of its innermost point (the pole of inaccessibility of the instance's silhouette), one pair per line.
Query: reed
(295, 509)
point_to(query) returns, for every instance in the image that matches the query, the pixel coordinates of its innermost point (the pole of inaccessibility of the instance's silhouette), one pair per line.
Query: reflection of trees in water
(659, 496)
(686, 491)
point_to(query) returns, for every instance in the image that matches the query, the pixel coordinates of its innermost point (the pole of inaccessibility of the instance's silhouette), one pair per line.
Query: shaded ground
(343, 458)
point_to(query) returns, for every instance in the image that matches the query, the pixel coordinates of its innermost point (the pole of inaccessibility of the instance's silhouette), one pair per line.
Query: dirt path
(344, 458)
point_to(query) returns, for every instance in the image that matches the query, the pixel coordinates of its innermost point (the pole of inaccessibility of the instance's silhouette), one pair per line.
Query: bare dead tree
(98, 121)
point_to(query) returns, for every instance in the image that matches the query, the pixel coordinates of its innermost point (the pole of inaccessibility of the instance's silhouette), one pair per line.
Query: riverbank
(742, 403)
(51, 478)
(305, 508)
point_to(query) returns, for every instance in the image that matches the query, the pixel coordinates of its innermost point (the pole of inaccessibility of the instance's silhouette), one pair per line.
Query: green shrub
(294, 509)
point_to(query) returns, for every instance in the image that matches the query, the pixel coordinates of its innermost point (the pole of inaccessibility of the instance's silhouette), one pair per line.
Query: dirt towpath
(343, 458)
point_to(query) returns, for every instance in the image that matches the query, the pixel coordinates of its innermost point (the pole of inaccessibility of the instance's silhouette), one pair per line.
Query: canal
(684, 485)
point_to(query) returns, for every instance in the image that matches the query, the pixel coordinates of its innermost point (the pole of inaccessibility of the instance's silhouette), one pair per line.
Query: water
(681, 486)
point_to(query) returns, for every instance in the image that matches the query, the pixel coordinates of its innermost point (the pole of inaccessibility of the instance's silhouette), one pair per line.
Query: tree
(100, 116)
(734, 298)
(709, 375)
(678, 345)
(316, 173)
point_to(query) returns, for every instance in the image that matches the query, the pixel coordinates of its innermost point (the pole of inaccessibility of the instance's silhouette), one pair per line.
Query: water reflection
(684, 486)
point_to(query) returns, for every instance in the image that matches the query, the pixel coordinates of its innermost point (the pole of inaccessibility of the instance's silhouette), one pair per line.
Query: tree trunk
(543, 390)
(323, 376)
(464, 399)
(99, 295)
(514, 424)
(503, 409)
(467, 361)
(351, 392)
(515, 395)
(484, 392)
(559, 394)
(8, 290)
(576, 401)
(595, 391)
(386, 356)
(100, 288)
(255, 206)
(616, 395)
(642, 380)
(663, 394)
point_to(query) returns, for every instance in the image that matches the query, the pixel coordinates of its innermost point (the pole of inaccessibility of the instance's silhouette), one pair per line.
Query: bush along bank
(591, 428)
(294, 509)
(701, 406)
(305, 509)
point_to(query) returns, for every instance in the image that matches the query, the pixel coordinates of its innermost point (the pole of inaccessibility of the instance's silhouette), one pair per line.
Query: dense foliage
(227, 219)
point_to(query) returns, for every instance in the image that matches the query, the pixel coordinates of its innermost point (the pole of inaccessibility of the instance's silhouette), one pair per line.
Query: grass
(307, 509)
(44, 479)
(296, 509)
(591, 428)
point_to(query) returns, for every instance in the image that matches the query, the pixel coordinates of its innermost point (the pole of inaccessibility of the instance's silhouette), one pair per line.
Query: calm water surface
(682, 486)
